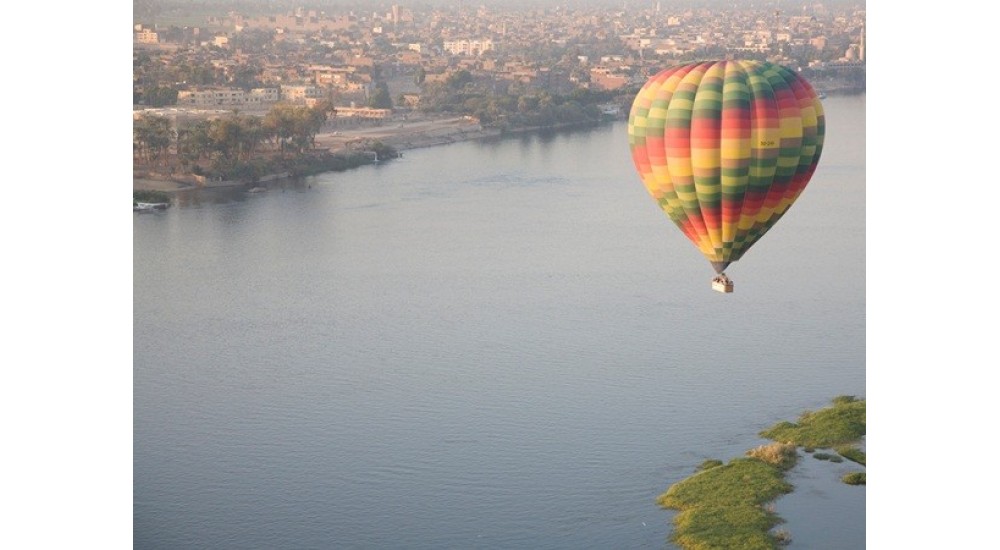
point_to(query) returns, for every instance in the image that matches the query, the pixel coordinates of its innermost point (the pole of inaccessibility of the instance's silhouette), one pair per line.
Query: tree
(224, 134)
(380, 98)
(278, 125)
(245, 77)
(158, 96)
(458, 79)
(193, 142)
(294, 127)
(151, 136)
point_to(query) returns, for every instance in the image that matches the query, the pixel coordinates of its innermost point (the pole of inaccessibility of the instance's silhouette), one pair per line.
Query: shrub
(823, 456)
(783, 537)
(384, 151)
(782, 455)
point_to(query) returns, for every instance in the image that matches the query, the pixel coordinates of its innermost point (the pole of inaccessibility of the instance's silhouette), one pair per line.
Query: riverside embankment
(400, 135)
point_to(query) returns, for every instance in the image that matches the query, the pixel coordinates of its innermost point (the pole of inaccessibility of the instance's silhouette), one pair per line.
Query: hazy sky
(184, 12)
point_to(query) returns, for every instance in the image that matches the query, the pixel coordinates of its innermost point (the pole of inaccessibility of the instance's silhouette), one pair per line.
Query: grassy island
(727, 506)
(842, 423)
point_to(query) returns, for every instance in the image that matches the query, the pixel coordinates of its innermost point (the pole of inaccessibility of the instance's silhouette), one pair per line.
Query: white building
(468, 47)
(301, 93)
(147, 36)
(227, 97)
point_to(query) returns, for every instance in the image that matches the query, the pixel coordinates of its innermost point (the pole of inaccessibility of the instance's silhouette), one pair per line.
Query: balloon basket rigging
(723, 284)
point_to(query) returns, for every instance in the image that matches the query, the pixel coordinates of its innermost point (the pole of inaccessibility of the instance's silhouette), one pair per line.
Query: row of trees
(506, 105)
(286, 130)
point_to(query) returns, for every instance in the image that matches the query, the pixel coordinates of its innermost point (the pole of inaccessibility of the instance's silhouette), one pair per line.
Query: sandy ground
(405, 134)
(400, 134)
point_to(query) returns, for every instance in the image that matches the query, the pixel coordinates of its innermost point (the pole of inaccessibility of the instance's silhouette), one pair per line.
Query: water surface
(498, 344)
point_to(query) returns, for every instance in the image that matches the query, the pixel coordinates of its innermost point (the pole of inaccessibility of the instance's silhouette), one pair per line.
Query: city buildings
(238, 59)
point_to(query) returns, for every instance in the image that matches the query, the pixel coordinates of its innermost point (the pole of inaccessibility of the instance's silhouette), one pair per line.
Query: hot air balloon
(725, 148)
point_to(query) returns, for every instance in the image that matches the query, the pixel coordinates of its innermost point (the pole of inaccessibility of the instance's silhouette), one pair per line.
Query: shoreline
(402, 136)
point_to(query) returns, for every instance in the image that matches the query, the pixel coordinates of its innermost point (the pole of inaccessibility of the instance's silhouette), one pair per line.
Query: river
(490, 344)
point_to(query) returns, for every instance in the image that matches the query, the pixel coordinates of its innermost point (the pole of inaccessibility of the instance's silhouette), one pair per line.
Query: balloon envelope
(725, 148)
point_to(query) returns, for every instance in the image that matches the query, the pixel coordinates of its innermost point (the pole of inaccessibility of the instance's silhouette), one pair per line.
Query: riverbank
(399, 135)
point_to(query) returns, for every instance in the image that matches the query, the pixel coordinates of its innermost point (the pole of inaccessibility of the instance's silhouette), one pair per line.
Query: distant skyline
(183, 13)
(151, 6)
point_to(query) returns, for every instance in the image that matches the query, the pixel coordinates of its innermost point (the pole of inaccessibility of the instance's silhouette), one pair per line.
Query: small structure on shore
(149, 206)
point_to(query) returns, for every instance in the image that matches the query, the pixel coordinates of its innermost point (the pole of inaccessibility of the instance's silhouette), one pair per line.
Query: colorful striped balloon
(725, 148)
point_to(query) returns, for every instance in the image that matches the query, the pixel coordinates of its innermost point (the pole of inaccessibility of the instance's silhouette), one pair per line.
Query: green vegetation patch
(854, 478)
(843, 422)
(742, 481)
(828, 456)
(851, 453)
(729, 527)
(723, 506)
(307, 165)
